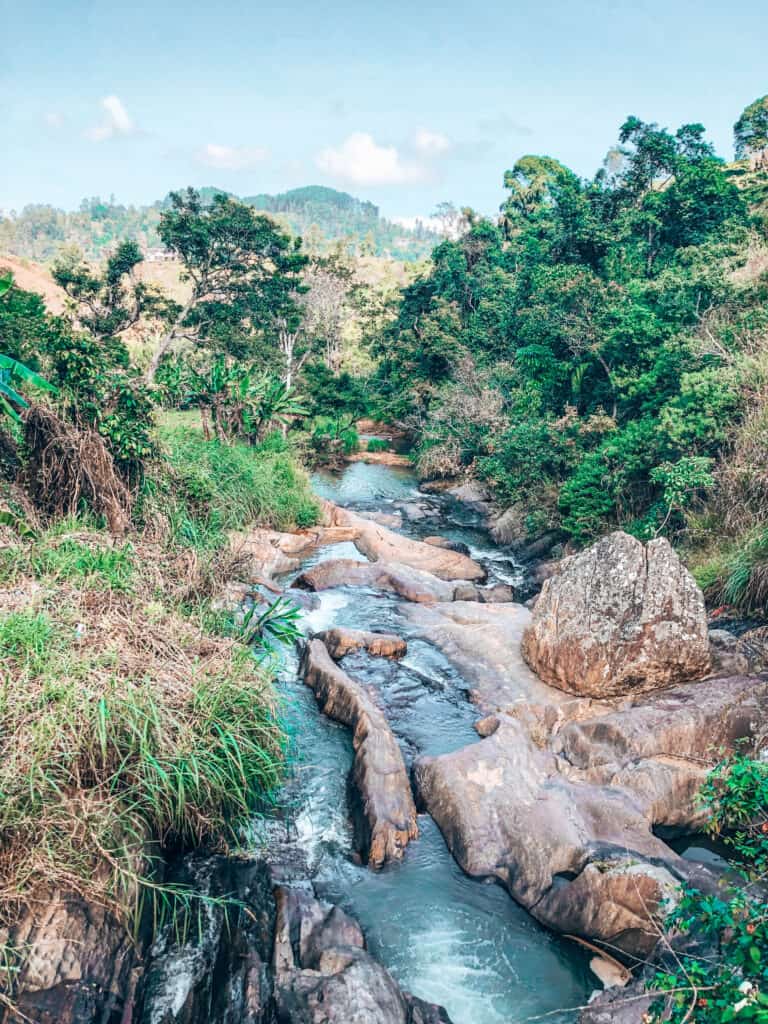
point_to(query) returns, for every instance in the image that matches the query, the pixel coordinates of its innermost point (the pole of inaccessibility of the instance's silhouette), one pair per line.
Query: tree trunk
(166, 341)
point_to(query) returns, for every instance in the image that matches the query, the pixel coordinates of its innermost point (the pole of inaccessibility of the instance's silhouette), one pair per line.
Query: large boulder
(561, 800)
(621, 617)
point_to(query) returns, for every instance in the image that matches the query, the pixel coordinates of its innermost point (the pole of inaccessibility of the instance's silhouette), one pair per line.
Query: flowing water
(446, 937)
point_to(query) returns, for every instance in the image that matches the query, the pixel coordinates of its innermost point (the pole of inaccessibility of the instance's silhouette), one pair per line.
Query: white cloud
(431, 144)
(115, 123)
(232, 158)
(362, 161)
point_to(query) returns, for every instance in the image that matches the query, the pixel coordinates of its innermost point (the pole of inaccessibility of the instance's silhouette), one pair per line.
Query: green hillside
(322, 216)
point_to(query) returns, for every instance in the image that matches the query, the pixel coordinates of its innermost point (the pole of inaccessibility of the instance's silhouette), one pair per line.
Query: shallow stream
(447, 938)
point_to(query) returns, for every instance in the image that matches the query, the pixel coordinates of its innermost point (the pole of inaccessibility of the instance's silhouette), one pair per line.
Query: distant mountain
(322, 216)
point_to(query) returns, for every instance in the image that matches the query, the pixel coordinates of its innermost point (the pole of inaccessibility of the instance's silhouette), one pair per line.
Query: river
(447, 938)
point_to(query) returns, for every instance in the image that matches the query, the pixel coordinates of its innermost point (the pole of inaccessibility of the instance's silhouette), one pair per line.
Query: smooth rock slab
(564, 817)
(619, 618)
(386, 811)
(382, 544)
(411, 584)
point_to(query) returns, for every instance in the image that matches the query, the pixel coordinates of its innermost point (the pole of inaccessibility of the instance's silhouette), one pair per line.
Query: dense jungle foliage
(591, 354)
(597, 356)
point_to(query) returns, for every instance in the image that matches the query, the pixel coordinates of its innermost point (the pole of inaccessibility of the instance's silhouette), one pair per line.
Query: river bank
(555, 797)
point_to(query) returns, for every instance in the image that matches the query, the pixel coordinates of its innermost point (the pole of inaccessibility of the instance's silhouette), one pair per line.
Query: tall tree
(750, 133)
(244, 272)
(108, 303)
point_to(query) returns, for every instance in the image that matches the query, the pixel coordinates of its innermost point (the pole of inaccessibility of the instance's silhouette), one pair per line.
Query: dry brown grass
(68, 465)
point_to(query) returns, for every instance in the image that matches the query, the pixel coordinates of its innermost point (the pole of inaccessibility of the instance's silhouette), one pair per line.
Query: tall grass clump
(205, 488)
(125, 733)
(737, 574)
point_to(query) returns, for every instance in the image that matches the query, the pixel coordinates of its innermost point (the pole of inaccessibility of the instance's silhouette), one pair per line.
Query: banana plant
(14, 375)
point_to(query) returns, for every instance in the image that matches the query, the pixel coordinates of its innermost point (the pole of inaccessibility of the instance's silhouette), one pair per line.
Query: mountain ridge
(321, 215)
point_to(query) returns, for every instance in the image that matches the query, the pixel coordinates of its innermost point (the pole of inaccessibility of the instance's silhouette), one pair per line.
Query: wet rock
(385, 811)
(411, 584)
(436, 486)
(499, 593)
(733, 655)
(219, 973)
(392, 520)
(531, 550)
(449, 545)
(79, 964)
(620, 617)
(381, 544)
(324, 975)
(304, 599)
(472, 494)
(340, 642)
(618, 1006)
(413, 511)
(508, 527)
(559, 802)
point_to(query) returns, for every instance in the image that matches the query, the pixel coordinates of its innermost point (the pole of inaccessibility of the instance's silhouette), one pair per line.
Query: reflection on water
(362, 482)
(447, 938)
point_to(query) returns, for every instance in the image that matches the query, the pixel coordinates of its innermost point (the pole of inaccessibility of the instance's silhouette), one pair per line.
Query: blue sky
(405, 104)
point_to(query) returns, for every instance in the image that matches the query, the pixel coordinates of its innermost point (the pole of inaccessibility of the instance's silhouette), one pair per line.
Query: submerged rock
(340, 642)
(386, 814)
(619, 618)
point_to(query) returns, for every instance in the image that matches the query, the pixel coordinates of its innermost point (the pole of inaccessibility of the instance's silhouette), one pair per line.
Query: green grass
(120, 735)
(377, 444)
(736, 573)
(28, 638)
(207, 487)
(71, 552)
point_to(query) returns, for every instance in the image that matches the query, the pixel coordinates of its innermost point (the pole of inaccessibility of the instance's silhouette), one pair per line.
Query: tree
(14, 375)
(243, 271)
(750, 133)
(530, 184)
(328, 282)
(108, 304)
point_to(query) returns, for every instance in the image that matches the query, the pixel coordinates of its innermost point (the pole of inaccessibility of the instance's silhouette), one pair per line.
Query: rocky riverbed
(474, 778)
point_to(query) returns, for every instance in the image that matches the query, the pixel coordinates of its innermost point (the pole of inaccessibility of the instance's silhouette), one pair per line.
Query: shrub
(205, 488)
(730, 986)
(377, 444)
